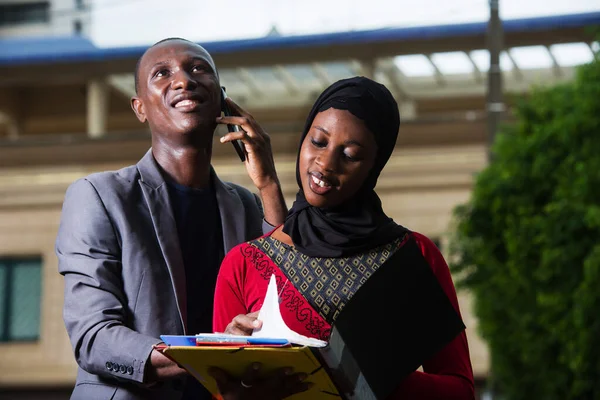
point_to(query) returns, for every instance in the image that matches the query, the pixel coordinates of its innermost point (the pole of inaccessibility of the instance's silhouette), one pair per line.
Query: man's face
(179, 91)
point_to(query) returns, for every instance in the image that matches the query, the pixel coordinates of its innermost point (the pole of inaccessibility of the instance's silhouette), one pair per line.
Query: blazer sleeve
(95, 311)
(448, 375)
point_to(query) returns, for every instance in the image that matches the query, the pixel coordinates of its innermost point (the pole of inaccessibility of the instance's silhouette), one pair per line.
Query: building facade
(20, 18)
(78, 121)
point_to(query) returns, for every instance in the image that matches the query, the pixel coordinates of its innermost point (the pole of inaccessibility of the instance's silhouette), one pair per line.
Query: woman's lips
(318, 185)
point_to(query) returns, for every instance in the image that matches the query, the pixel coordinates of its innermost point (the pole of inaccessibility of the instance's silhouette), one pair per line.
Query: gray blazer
(118, 250)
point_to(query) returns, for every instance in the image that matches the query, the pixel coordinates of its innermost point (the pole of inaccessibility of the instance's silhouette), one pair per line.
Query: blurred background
(458, 71)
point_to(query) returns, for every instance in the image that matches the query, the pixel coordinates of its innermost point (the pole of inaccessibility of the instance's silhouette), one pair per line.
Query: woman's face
(336, 157)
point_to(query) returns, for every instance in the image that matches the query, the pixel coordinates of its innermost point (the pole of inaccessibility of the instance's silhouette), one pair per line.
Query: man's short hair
(139, 61)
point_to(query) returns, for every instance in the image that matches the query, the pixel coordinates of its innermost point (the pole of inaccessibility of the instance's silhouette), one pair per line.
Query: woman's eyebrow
(354, 142)
(325, 131)
(347, 142)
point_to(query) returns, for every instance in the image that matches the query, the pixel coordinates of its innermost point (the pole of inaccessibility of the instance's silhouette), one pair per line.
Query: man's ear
(138, 108)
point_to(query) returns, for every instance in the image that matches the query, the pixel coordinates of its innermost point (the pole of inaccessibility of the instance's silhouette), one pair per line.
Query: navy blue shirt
(201, 241)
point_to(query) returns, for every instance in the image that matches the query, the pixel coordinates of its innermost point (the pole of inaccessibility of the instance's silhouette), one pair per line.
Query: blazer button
(122, 368)
(130, 370)
(109, 366)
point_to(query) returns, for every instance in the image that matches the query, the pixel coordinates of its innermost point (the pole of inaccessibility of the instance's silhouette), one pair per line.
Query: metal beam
(247, 78)
(495, 102)
(321, 74)
(476, 72)
(365, 67)
(392, 74)
(123, 84)
(555, 66)
(516, 71)
(288, 80)
(82, 71)
(439, 77)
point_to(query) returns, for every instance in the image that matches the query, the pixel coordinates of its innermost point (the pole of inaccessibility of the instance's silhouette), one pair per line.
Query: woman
(337, 235)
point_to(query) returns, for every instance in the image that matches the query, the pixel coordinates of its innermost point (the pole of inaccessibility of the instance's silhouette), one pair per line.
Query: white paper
(273, 325)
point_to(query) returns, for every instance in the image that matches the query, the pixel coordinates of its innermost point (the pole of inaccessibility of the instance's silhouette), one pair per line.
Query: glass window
(531, 57)
(571, 54)
(481, 58)
(20, 299)
(21, 13)
(414, 65)
(454, 62)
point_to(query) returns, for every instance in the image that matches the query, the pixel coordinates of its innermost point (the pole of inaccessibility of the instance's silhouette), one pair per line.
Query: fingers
(239, 135)
(295, 383)
(287, 375)
(286, 382)
(259, 161)
(252, 129)
(223, 379)
(243, 325)
(297, 387)
(219, 374)
(278, 384)
(243, 122)
(251, 375)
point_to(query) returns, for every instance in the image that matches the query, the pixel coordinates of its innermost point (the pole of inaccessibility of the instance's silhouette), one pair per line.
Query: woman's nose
(327, 160)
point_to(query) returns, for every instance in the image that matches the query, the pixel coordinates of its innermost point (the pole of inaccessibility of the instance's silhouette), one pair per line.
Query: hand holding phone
(237, 144)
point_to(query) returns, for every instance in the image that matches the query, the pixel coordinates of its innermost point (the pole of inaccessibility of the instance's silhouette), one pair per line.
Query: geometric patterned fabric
(326, 283)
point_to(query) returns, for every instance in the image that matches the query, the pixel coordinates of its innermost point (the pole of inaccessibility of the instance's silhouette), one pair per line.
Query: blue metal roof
(27, 51)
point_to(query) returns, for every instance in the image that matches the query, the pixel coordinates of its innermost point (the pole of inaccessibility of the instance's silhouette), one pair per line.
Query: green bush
(528, 245)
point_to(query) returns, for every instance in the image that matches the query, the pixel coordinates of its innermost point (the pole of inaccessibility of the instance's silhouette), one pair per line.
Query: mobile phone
(237, 144)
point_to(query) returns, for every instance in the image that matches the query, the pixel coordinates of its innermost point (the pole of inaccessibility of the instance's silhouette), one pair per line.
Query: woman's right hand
(243, 324)
(278, 384)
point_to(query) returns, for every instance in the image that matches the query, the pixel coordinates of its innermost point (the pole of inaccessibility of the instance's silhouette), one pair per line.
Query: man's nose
(183, 80)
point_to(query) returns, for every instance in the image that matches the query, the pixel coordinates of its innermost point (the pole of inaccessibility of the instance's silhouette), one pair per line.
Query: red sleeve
(448, 375)
(229, 292)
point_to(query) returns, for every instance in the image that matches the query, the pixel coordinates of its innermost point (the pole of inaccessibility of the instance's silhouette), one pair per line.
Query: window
(14, 14)
(20, 299)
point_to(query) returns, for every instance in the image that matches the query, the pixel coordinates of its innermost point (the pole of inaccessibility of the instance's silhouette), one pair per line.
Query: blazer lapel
(157, 197)
(231, 210)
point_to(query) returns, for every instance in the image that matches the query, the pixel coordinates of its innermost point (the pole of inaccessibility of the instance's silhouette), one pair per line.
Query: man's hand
(259, 161)
(278, 384)
(161, 368)
(244, 324)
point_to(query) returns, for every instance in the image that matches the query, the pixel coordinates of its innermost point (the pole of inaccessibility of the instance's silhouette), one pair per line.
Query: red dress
(245, 274)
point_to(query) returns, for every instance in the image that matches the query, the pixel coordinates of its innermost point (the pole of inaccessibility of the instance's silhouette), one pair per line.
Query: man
(140, 248)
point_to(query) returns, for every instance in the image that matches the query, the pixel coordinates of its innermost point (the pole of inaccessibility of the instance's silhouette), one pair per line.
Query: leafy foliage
(528, 245)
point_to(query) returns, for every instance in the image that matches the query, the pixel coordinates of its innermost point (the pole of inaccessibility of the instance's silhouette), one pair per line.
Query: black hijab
(358, 224)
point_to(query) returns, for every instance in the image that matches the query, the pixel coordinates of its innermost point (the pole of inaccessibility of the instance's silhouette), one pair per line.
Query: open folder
(395, 322)
(274, 346)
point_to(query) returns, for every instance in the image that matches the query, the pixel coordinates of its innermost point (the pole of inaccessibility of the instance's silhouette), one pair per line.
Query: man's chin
(196, 126)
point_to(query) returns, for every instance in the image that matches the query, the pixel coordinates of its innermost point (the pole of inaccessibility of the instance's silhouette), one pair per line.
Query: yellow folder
(235, 360)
